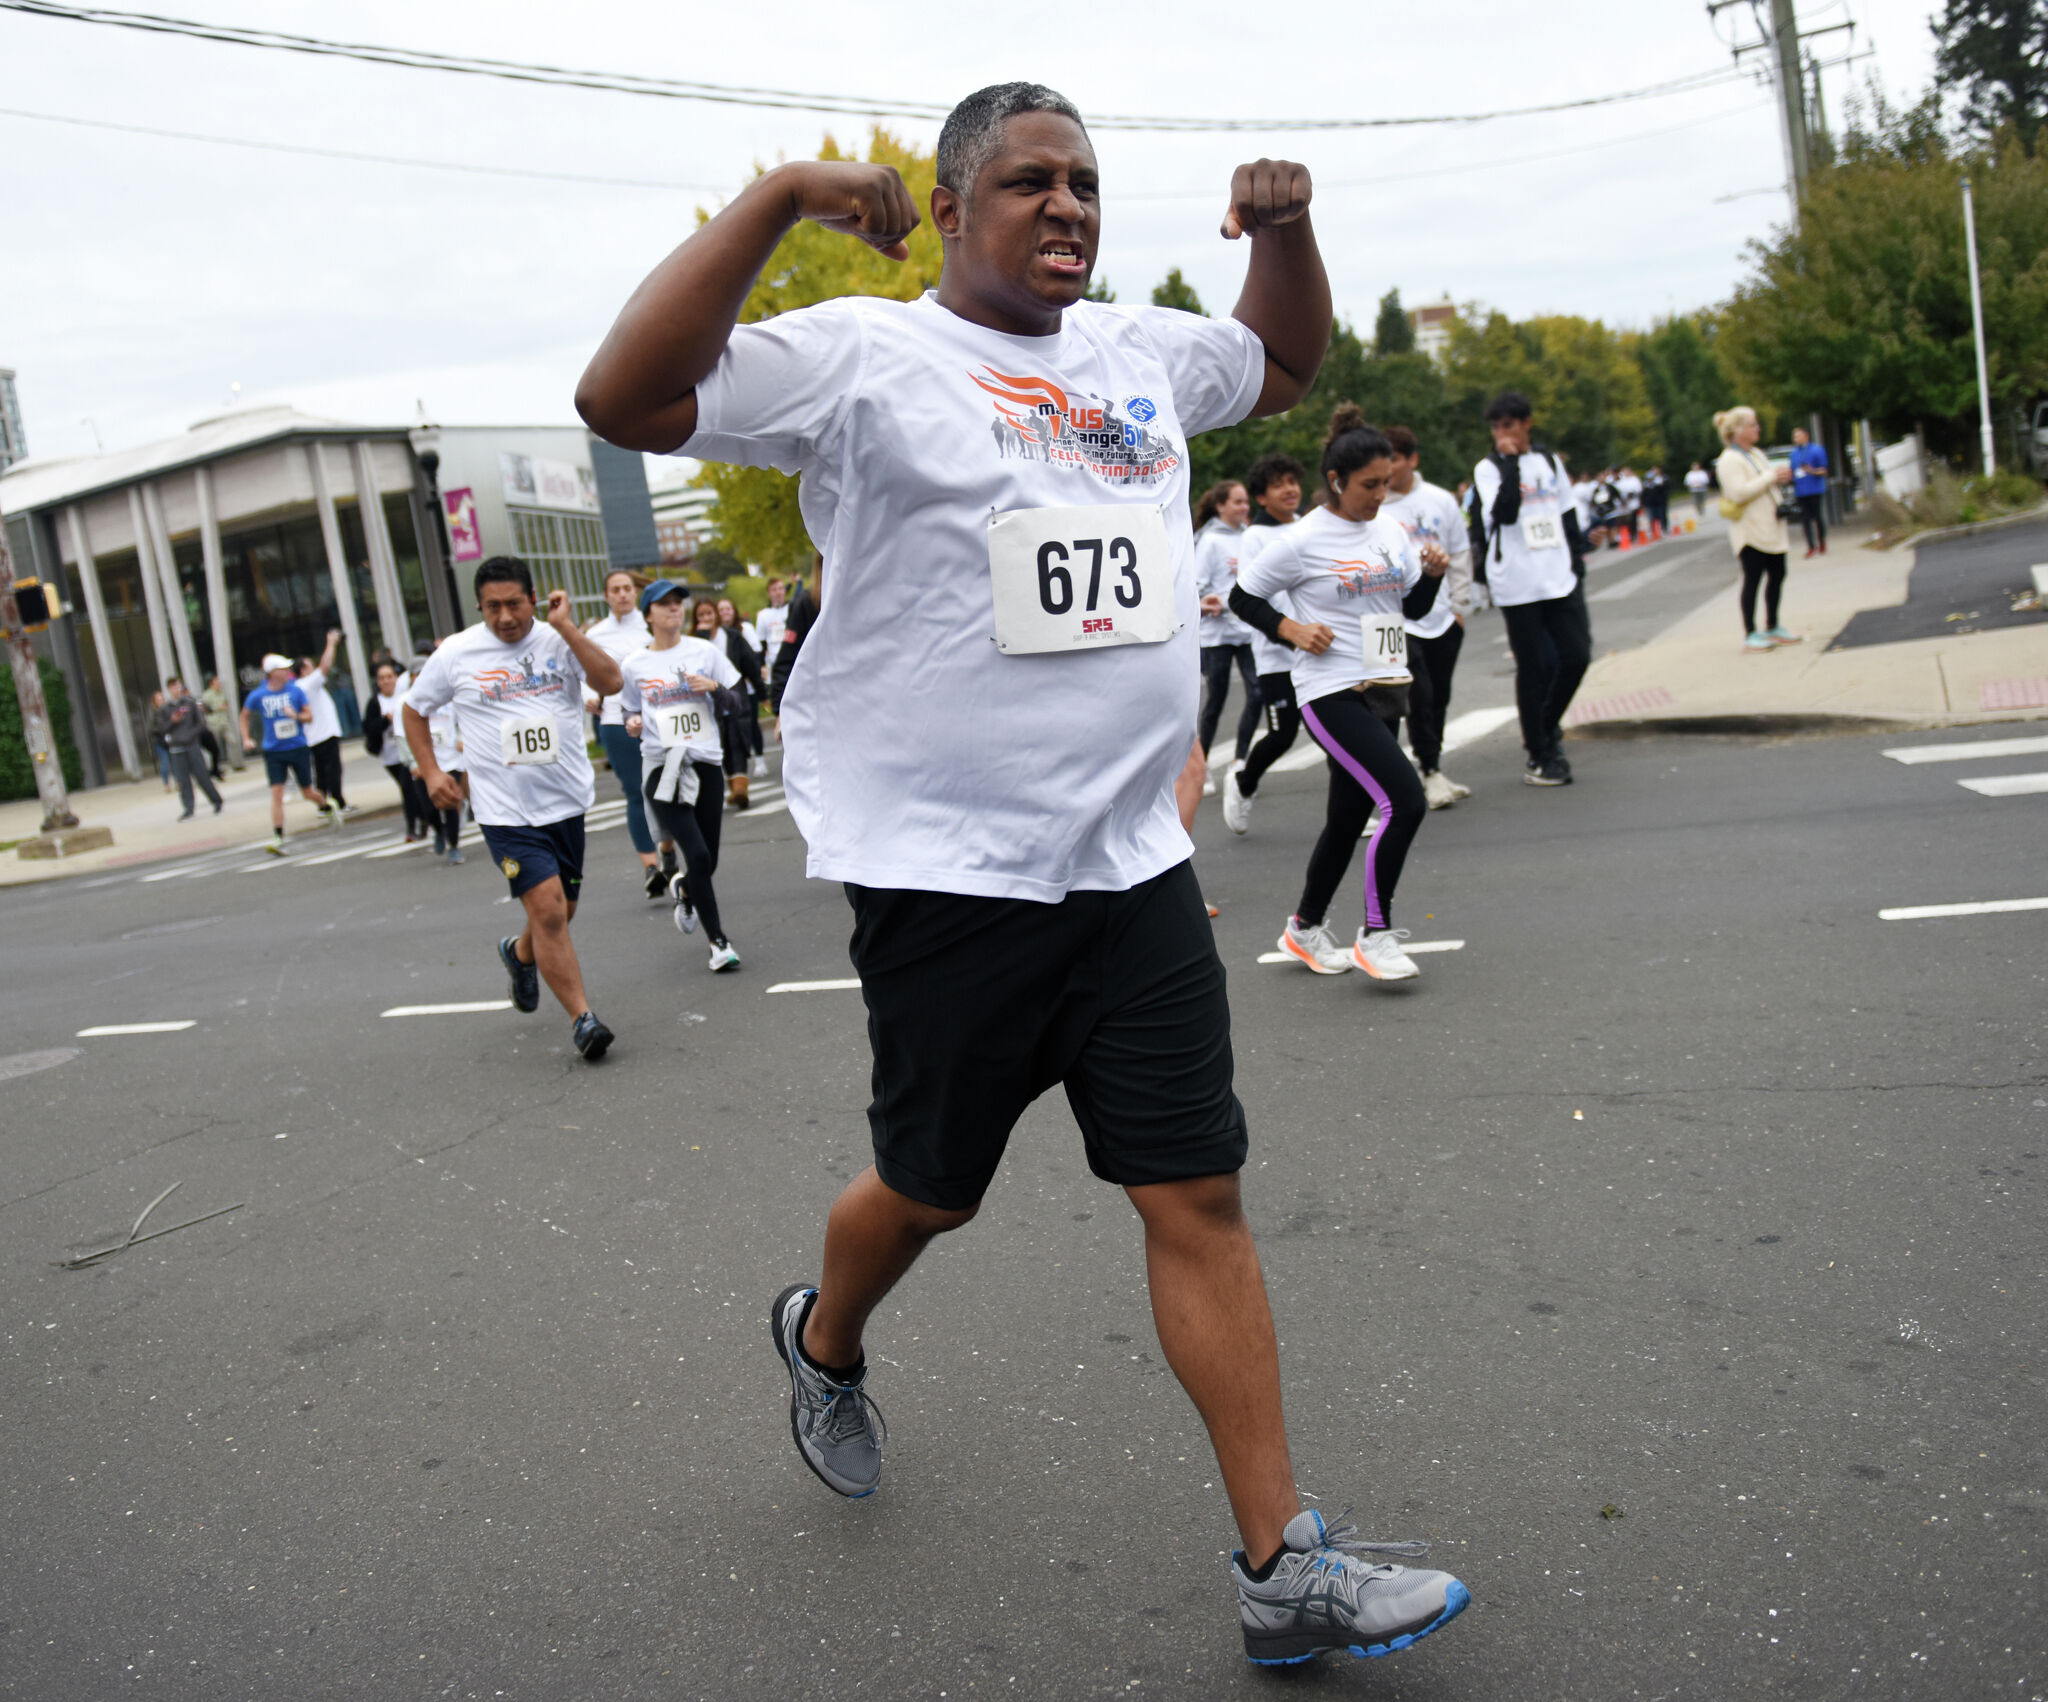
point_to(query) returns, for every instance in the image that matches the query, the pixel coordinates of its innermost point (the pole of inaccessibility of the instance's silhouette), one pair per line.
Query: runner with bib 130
(516, 685)
(1353, 578)
(998, 472)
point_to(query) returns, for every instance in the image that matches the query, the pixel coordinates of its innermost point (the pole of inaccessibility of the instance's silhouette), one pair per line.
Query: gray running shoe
(1322, 1598)
(838, 1430)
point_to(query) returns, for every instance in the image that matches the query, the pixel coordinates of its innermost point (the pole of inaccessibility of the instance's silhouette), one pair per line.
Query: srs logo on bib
(1039, 421)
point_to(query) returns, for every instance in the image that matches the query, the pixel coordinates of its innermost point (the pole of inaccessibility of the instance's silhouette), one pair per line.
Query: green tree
(1098, 290)
(1865, 309)
(1686, 386)
(756, 515)
(1175, 291)
(1993, 56)
(1391, 332)
(1589, 397)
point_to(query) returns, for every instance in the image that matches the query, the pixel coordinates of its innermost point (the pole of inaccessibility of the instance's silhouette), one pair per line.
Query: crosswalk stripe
(449, 1010)
(398, 850)
(135, 1028)
(1969, 753)
(1989, 907)
(814, 986)
(2007, 785)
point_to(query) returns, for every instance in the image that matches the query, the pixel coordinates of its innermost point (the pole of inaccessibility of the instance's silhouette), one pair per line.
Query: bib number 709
(1056, 582)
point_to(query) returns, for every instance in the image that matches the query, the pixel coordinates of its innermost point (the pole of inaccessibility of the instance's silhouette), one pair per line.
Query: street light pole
(1977, 326)
(35, 713)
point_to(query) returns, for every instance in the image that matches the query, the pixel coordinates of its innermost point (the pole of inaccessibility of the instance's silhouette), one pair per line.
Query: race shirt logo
(658, 690)
(502, 685)
(1363, 578)
(1039, 421)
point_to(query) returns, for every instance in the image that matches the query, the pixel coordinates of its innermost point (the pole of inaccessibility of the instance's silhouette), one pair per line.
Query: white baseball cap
(273, 663)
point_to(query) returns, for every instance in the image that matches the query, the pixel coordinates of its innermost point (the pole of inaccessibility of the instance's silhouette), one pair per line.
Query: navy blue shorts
(297, 763)
(527, 856)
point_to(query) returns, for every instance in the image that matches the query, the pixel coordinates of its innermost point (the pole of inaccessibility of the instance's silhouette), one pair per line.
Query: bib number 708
(1056, 582)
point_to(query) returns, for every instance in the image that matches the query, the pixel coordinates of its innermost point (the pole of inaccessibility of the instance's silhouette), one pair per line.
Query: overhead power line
(728, 94)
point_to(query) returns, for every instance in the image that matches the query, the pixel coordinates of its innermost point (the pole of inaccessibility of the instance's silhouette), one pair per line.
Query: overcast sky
(142, 277)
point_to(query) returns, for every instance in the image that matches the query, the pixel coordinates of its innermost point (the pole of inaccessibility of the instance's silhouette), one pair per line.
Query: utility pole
(1790, 78)
(61, 835)
(1977, 326)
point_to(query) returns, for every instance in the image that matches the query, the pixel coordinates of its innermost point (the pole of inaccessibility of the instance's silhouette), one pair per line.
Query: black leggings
(1217, 661)
(1283, 721)
(1552, 642)
(1366, 768)
(1429, 696)
(327, 769)
(695, 828)
(1765, 567)
(418, 809)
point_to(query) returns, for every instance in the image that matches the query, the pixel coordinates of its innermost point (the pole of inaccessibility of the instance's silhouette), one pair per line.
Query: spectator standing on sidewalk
(1810, 486)
(184, 722)
(153, 729)
(1750, 488)
(1699, 481)
(220, 721)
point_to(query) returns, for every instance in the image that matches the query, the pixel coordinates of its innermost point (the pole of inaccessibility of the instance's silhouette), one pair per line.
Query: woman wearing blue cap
(669, 696)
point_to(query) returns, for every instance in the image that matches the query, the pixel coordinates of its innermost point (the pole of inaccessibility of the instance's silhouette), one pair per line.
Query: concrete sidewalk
(1698, 674)
(144, 819)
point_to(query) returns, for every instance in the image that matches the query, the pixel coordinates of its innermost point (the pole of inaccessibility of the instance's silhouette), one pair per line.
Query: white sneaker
(1208, 788)
(723, 956)
(1438, 791)
(1317, 947)
(758, 768)
(1457, 791)
(1380, 955)
(685, 914)
(1237, 808)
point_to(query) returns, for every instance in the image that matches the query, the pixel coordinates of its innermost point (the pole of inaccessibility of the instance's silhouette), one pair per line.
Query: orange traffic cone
(1624, 539)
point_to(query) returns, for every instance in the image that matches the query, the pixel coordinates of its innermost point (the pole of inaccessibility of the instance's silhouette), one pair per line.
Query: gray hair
(973, 131)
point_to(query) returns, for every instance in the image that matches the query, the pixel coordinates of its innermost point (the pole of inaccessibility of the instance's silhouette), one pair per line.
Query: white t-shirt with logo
(518, 701)
(618, 636)
(1528, 566)
(326, 722)
(1351, 576)
(1429, 514)
(769, 625)
(918, 754)
(1269, 655)
(1217, 548)
(671, 713)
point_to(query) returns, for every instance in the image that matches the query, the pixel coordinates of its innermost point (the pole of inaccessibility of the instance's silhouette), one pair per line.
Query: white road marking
(2007, 785)
(1995, 906)
(1637, 581)
(772, 807)
(1411, 948)
(370, 848)
(449, 1010)
(814, 986)
(398, 850)
(1969, 753)
(135, 1028)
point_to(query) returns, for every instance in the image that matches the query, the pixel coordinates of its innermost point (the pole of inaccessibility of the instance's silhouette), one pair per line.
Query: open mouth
(1063, 256)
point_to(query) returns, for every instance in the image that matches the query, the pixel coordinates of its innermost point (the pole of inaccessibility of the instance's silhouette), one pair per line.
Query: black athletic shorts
(977, 1005)
(528, 856)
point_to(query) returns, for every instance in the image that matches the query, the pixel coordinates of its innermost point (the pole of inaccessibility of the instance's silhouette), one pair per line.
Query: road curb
(1790, 725)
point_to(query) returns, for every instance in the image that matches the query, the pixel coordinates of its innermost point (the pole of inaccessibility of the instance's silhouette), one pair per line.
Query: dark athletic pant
(327, 769)
(419, 809)
(1766, 568)
(188, 765)
(1552, 642)
(1813, 517)
(1217, 661)
(1366, 768)
(1429, 696)
(622, 750)
(1283, 721)
(695, 829)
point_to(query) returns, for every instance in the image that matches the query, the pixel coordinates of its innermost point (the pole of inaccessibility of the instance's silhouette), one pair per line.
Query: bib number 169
(528, 743)
(1059, 564)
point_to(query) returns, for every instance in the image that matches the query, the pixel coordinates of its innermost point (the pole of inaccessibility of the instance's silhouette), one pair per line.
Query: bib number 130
(1066, 579)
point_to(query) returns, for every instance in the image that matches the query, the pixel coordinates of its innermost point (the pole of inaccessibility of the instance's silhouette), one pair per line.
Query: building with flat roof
(1432, 323)
(263, 529)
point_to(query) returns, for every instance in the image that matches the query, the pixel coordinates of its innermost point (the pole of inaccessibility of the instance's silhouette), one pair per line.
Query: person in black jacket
(730, 642)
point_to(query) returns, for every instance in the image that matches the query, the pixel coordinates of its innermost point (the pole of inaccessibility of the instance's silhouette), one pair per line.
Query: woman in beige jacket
(1749, 486)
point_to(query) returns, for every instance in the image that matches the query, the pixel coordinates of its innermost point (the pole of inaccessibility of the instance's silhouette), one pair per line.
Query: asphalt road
(1687, 1190)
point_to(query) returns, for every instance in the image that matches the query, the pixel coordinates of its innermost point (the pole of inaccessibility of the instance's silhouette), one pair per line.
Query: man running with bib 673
(997, 477)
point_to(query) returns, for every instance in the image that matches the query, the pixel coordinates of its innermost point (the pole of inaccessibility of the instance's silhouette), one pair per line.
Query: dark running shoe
(1549, 772)
(592, 1038)
(1323, 1598)
(657, 882)
(525, 978)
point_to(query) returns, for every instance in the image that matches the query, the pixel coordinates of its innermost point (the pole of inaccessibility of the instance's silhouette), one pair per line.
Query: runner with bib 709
(998, 476)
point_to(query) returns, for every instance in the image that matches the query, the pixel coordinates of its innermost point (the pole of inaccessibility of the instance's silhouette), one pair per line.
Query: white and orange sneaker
(1380, 955)
(1317, 947)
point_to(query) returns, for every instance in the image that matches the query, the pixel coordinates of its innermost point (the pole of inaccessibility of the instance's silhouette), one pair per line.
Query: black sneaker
(525, 978)
(592, 1038)
(1551, 771)
(657, 882)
